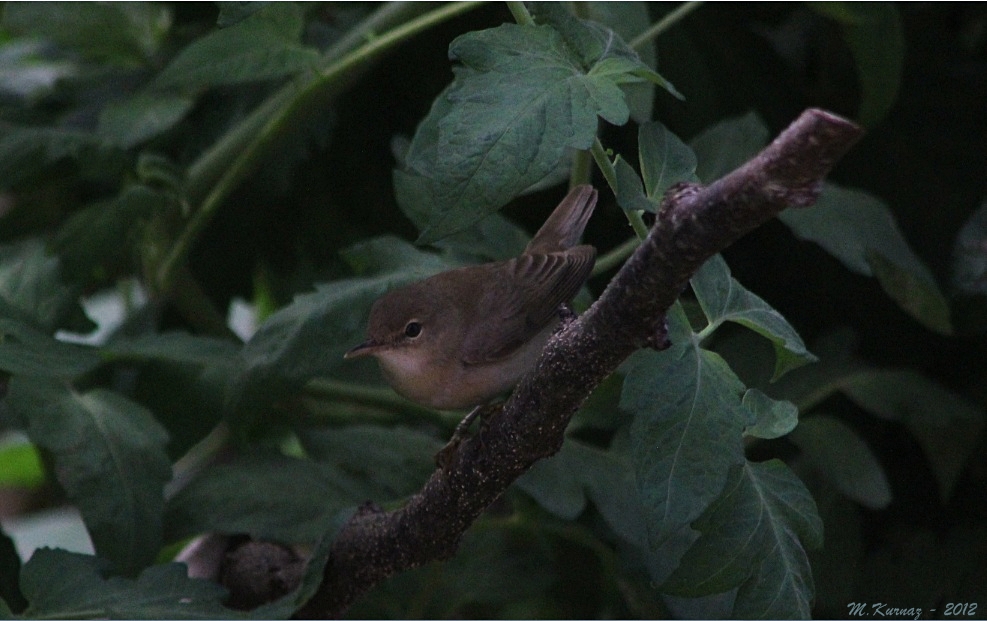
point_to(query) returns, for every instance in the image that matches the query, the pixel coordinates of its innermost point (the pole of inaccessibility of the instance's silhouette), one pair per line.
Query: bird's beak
(367, 348)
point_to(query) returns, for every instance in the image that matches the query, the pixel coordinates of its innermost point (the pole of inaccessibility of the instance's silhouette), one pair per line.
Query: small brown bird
(464, 336)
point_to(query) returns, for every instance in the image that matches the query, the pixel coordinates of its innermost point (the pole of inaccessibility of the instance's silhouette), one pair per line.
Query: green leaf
(596, 43)
(265, 495)
(25, 351)
(970, 254)
(628, 20)
(752, 537)
(860, 231)
(555, 483)
(129, 122)
(948, 427)
(493, 238)
(386, 255)
(108, 454)
(520, 100)
(630, 189)
(231, 13)
(99, 241)
(579, 473)
(774, 419)
(20, 465)
(665, 161)
(121, 33)
(179, 347)
(728, 144)
(263, 46)
(724, 299)
(388, 463)
(844, 459)
(65, 585)
(27, 152)
(601, 410)
(308, 338)
(875, 35)
(31, 289)
(915, 291)
(687, 428)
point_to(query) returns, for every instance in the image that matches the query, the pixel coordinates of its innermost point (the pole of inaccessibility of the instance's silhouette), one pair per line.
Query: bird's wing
(516, 308)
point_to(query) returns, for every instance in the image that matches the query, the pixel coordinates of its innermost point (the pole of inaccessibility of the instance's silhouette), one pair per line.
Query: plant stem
(616, 256)
(606, 167)
(521, 14)
(706, 332)
(604, 163)
(221, 169)
(581, 170)
(197, 458)
(665, 23)
(337, 390)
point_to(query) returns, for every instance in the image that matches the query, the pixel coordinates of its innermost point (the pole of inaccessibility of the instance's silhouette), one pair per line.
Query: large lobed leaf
(688, 421)
(752, 538)
(580, 473)
(522, 97)
(947, 426)
(108, 454)
(715, 522)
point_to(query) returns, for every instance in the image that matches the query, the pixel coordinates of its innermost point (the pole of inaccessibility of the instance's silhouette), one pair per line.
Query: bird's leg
(566, 315)
(444, 456)
(660, 340)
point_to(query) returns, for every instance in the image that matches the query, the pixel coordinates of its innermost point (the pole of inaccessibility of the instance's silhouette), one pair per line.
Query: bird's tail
(564, 228)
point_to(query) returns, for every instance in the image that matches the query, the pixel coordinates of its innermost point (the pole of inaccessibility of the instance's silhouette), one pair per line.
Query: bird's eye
(413, 329)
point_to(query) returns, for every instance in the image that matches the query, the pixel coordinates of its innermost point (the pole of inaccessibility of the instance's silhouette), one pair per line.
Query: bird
(465, 336)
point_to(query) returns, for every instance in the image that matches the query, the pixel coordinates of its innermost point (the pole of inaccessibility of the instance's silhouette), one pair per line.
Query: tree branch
(694, 224)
